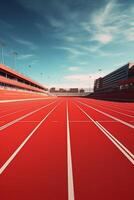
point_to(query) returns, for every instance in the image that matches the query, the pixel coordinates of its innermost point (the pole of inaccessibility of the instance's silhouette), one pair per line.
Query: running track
(66, 149)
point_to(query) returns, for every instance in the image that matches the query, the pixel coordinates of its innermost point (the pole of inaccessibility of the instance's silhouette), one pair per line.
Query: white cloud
(83, 80)
(79, 80)
(69, 38)
(25, 56)
(103, 23)
(73, 52)
(101, 16)
(103, 38)
(110, 23)
(77, 77)
(129, 34)
(74, 68)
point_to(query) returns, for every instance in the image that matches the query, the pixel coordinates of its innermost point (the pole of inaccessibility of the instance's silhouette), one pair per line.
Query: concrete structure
(68, 92)
(11, 79)
(74, 90)
(112, 80)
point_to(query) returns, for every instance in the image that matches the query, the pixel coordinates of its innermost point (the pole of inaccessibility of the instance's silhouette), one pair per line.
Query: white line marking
(108, 115)
(19, 100)
(24, 142)
(24, 116)
(77, 121)
(12, 113)
(105, 107)
(69, 161)
(28, 121)
(107, 121)
(119, 108)
(119, 145)
(117, 141)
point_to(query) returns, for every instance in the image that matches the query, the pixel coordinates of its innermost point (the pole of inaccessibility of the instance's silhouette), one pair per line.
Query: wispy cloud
(84, 79)
(24, 56)
(69, 38)
(73, 52)
(110, 22)
(77, 77)
(129, 34)
(27, 43)
(74, 68)
(104, 23)
(103, 38)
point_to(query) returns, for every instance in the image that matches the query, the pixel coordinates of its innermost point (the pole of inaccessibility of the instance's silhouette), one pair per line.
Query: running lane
(111, 111)
(61, 152)
(123, 131)
(12, 136)
(20, 109)
(39, 170)
(100, 169)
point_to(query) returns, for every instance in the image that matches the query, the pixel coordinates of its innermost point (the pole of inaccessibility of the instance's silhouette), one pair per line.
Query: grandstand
(15, 85)
(118, 84)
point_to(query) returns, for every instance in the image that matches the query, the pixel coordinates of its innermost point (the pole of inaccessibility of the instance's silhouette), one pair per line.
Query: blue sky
(66, 42)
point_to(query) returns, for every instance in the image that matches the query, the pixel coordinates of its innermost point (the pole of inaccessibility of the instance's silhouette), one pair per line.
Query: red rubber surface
(40, 169)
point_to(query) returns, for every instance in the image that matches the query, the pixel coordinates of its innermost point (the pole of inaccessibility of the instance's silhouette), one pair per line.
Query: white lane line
(12, 113)
(107, 121)
(5, 165)
(119, 145)
(23, 121)
(79, 121)
(87, 121)
(122, 109)
(108, 115)
(28, 121)
(69, 161)
(24, 116)
(31, 99)
(105, 107)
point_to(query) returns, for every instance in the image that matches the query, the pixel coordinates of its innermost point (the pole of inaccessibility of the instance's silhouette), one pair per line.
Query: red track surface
(66, 149)
(11, 94)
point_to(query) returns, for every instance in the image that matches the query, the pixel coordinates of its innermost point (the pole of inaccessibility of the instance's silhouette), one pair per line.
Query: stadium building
(117, 85)
(120, 79)
(10, 79)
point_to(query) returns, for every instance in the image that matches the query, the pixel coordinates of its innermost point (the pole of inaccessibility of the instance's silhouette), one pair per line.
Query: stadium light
(90, 83)
(100, 70)
(15, 54)
(2, 45)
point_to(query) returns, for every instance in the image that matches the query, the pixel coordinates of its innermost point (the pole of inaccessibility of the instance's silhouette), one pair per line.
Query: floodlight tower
(2, 45)
(99, 70)
(15, 54)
